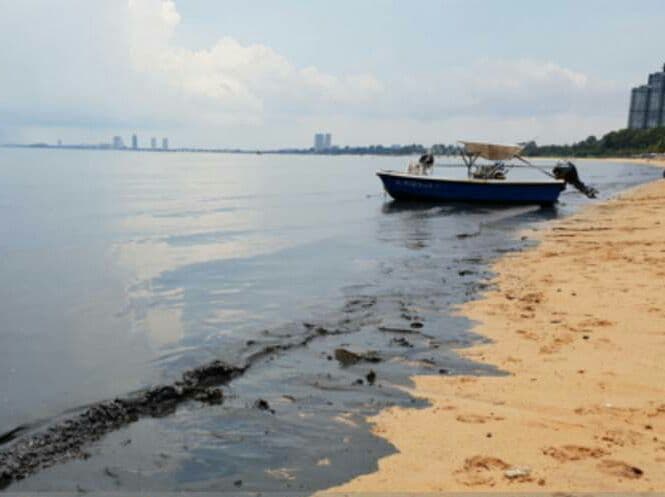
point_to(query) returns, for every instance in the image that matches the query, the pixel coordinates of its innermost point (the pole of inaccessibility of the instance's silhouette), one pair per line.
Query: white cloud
(507, 88)
(231, 77)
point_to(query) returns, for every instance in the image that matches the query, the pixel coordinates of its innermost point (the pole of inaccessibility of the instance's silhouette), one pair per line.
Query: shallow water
(120, 270)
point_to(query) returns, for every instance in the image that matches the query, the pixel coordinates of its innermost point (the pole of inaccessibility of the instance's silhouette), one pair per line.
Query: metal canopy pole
(533, 166)
(469, 161)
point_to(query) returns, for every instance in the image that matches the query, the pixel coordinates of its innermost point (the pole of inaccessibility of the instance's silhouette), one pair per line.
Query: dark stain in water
(334, 388)
(292, 414)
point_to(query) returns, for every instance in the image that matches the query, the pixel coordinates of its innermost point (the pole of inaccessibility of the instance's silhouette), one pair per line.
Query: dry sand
(578, 322)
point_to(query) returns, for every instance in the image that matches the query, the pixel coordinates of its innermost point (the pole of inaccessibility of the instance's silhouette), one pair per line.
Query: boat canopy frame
(496, 153)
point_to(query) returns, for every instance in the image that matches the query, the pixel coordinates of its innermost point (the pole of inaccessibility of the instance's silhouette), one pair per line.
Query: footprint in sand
(532, 298)
(595, 322)
(484, 463)
(567, 453)
(477, 470)
(619, 469)
(621, 437)
(529, 335)
(556, 345)
(483, 470)
(477, 418)
(658, 411)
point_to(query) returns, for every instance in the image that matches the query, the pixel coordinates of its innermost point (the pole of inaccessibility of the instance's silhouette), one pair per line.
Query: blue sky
(272, 73)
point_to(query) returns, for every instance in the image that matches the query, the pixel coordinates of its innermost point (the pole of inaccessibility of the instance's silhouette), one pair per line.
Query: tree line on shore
(622, 143)
(413, 149)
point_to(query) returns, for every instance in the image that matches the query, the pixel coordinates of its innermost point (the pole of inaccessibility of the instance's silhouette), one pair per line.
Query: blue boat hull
(402, 186)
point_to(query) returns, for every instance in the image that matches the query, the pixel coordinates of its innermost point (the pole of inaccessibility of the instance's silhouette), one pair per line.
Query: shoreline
(577, 322)
(659, 163)
(646, 162)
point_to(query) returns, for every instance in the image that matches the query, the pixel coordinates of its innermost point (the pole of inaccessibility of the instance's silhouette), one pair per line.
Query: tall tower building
(647, 103)
(153, 143)
(165, 143)
(135, 142)
(117, 142)
(318, 142)
(322, 141)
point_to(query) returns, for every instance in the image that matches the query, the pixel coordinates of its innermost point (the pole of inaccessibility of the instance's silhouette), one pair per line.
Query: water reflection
(164, 324)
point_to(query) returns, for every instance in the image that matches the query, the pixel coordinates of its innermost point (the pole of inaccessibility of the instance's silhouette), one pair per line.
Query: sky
(271, 73)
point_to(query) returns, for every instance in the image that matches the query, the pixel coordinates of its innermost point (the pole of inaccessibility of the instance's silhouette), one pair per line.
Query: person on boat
(427, 159)
(426, 163)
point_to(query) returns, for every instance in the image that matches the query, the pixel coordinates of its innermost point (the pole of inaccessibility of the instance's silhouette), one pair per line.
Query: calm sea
(120, 270)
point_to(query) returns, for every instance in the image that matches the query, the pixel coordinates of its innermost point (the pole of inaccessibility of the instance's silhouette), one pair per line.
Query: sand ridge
(578, 322)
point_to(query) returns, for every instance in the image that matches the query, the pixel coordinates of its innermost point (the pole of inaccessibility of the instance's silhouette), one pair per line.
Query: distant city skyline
(322, 145)
(219, 73)
(117, 142)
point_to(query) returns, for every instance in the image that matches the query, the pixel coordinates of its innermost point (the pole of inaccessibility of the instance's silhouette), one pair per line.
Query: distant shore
(378, 151)
(372, 150)
(578, 323)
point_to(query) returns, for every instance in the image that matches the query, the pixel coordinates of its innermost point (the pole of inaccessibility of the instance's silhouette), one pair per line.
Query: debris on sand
(262, 405)
(402, 342)
(462, 236)
(347, 358)
(514, 473)
(390, 329)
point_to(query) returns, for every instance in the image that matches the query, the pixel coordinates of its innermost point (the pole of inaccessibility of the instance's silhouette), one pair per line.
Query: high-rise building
(117, 142)
(322, 141)
(153, 143)
(318, 141)
(647, 103)
(165, 143)
(135, 142)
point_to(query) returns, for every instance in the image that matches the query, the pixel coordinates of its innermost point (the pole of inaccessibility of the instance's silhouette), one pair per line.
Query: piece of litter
(516, 472)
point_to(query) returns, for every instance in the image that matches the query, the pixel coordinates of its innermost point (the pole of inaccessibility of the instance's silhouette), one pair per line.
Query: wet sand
(646, 162)
(578, 322)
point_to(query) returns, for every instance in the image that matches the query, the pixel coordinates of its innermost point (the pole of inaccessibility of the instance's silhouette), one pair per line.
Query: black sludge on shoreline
(66, 439)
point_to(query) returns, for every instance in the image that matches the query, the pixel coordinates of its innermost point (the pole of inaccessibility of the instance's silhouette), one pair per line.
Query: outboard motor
(568, 172)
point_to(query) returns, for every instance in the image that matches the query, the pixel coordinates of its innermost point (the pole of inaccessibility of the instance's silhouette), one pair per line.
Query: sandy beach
(578, 325)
